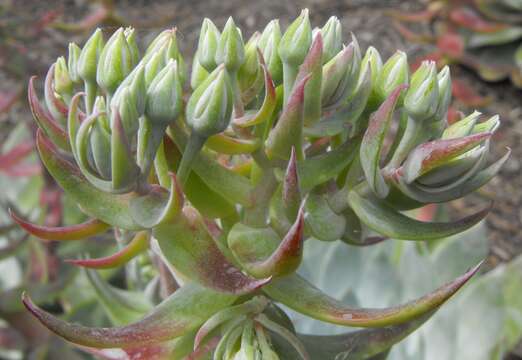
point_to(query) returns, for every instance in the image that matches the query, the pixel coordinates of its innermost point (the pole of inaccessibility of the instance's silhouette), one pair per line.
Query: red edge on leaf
(64, 233)
(138, 244)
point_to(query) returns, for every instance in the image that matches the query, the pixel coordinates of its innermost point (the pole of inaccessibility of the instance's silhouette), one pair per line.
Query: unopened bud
(269, 43)
(422, 98)
(395, 72)
(164, 95)
(115, 62)
(230, 50)
(444, 84)
(296, 41)
(208, 44)
(332, 38)
(209, 109)
(72, 62)
(88, 59)
(63, 84)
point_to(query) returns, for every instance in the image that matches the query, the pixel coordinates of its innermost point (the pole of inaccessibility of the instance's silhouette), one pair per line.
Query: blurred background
(34, 33)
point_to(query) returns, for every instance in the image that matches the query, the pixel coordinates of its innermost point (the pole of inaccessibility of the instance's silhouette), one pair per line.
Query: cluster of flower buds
(280, 139)
(483, 35)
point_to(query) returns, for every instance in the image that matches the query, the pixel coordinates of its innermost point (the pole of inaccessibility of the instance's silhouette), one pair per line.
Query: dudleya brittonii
(280, 139)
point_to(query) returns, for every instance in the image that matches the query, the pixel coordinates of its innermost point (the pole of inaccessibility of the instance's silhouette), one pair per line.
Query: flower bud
(296, 41)
(153, 67)
(250, 70)
(88, 59)
(230, 50)
(336, 76)
(422, 97)
(444, 84)
(130, 102)
(208, 44)
(115, 62)
(332, 38)
(172, 53)
(394, 73)
(269, 43)
(198, 74)
(63, 84)
(130, 36)
(72, 62)
(164, 95)
(209, 109)
(372, 60)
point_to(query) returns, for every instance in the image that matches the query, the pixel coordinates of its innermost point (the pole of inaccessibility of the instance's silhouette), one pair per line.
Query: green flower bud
(422, 98)
(158, 42)
(72, 62)
(296, 41)
(130, 102)
(153, 67)
(394, 73)
(230, 50)
(269, 43)
(115, 62)
(198, 74)
(444, 84)
(332, 38)
(372, 59)
(209, 109)
(250, 70)
(335, 84)
(164, 95)
(63, 84)
(172, 53)
(208, 44)
(130, 36)
(88, 59)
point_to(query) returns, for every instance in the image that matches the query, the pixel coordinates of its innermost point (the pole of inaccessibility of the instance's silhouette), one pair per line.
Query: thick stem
(90, 96)
(239, 107)
(194, 145)
(289, 76)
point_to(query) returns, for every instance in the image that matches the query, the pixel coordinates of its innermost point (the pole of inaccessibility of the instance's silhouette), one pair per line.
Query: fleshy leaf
(158, 206)
(122, 306)
(321, 221)
(282, 260)
(183, 311)
(267, 108)
(432, 154)
(359, 345)
(371, 145)
(137, 245)
(191, 250)
(298, 294)
(291, 193)
(224, 144)
(319, 169)
(385, 220)
(73, 232)
(45, 120)
(109, 208)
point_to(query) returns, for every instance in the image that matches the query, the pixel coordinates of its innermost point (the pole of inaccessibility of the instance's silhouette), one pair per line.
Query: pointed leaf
(386, 221)
(183, 311)
(371, 145)
(73, 232)
(112, 209)
(224, 144)
(359, 345)
(138, 245)
(45, 120)
(291, 193)
(432, 154)
(191, 250)
(321, 221)
(298, 294)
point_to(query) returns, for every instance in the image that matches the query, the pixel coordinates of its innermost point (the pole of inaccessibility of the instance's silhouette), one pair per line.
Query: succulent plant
(485, 35)
(212, 187)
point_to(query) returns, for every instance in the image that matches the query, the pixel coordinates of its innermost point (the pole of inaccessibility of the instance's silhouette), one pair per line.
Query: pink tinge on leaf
(137, 245)
(451, 44)
(16, 155)
(469, 19)
(73, 232)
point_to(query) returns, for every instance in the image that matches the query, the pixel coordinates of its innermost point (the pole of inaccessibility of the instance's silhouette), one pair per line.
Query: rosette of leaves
(484, 35)
(222, 178)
